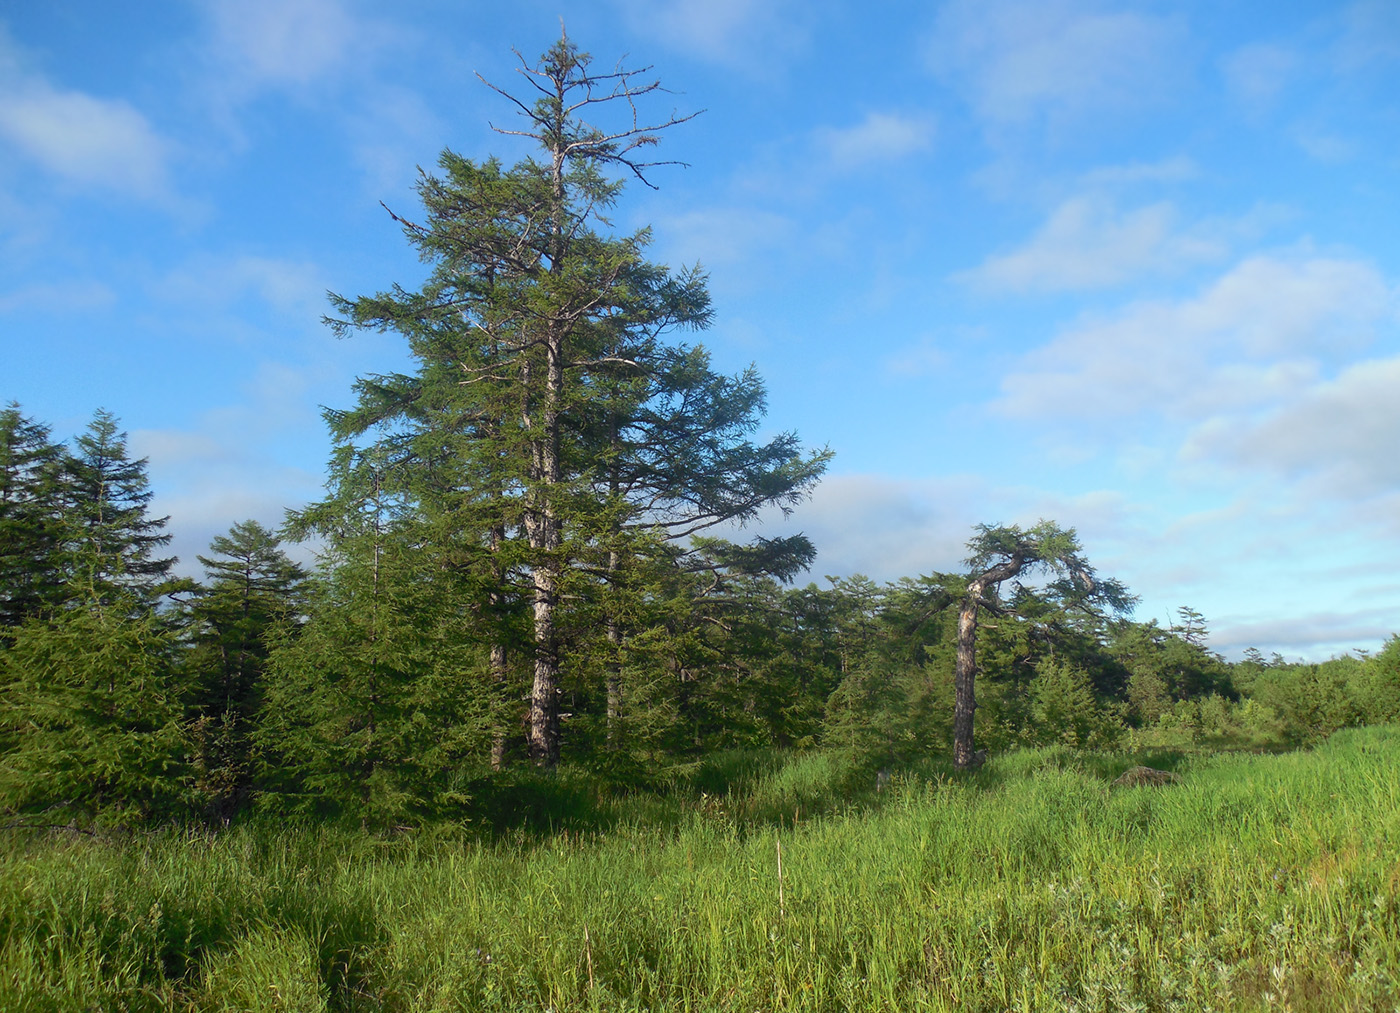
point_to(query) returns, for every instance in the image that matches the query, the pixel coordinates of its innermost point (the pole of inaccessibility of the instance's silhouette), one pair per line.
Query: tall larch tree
(552, 433)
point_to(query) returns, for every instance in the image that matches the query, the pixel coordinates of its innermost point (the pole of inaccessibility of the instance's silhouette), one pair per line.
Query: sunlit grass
(1259, 882)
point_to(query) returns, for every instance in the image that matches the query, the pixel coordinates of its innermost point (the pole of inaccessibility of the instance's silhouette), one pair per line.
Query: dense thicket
(370, 689)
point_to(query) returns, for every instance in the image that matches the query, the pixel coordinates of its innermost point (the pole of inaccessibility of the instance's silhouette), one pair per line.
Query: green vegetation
(1259, 882)
(531, 736)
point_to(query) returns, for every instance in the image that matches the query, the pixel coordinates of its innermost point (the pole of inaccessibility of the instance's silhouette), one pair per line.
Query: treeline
(373, 688)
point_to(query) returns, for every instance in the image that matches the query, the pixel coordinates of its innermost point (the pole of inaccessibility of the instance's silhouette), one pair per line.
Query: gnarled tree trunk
(965, 672)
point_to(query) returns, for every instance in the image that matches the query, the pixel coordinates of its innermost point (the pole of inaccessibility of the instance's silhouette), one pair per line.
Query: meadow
(1257, 882)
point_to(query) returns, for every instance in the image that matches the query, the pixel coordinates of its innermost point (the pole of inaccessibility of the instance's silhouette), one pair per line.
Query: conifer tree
(91, 715)
(371, 709)
(112, 543)
(1002, 553)
(253, 598)
(550, 435)
(31, 561)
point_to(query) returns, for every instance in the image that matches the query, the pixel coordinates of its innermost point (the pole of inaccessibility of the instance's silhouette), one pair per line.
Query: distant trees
(73, 519)
(372, 690)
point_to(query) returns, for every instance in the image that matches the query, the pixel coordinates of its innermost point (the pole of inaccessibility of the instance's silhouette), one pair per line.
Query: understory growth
(1257, 882)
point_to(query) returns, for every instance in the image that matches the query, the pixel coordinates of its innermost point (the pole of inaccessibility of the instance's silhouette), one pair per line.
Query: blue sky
(1129, 266)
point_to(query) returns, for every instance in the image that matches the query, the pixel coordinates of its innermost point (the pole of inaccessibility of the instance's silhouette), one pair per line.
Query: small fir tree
(112, 543)
(254, 597)
(91, 714)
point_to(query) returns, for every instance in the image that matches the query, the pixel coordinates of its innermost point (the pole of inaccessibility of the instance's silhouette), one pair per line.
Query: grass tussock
(1257, 882)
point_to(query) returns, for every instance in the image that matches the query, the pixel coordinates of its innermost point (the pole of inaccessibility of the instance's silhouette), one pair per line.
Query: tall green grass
(1259, 882)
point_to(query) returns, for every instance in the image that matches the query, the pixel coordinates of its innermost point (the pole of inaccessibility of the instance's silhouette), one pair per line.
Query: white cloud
(1323, 144)
(1088, 243)
(1312, 637)
(923, 358)
(1257, 335)
(294, 288)
(724, 236)
(281, 43)
(747, 33)
(879, 138)
(1177, 169)
(887, 527)
(1017, 59)
(232, 465)
(1371, 34)
(94, 142)
(1343, 433)
(394, 132)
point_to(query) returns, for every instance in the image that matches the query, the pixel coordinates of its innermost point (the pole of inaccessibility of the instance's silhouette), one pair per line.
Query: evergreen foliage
(552, 445)
(31, 537)
(254, 598)
(91, 715)
(111, 542)
(373, 710)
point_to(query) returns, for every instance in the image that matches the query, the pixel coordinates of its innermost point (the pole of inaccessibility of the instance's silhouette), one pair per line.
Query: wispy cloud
(93, 142)
(880, 138)
(1019, 59)
(1342, 433)
(1370, 34)
(296, 287)
(58, 297)
(1177, 169)
(282, 43)
(750, 34)
(1257, 334)
(1088, 243)
(1256, 74)
(724, 236)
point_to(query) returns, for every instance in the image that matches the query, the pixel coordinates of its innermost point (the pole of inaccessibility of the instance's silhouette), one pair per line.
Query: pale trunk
(614, 676)
(964, 679)
(543, 532)
(614, 668)
(542, 521)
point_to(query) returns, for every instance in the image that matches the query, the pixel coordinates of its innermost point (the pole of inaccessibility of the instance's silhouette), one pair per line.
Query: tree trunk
(500, 676)
(542, 519)
(544, 696)
(964, 679)
(614, 670)
(543, 530)
(965, 672)
(500, 673)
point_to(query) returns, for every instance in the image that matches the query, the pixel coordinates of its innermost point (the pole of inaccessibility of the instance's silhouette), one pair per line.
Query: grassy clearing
(1260, 882)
